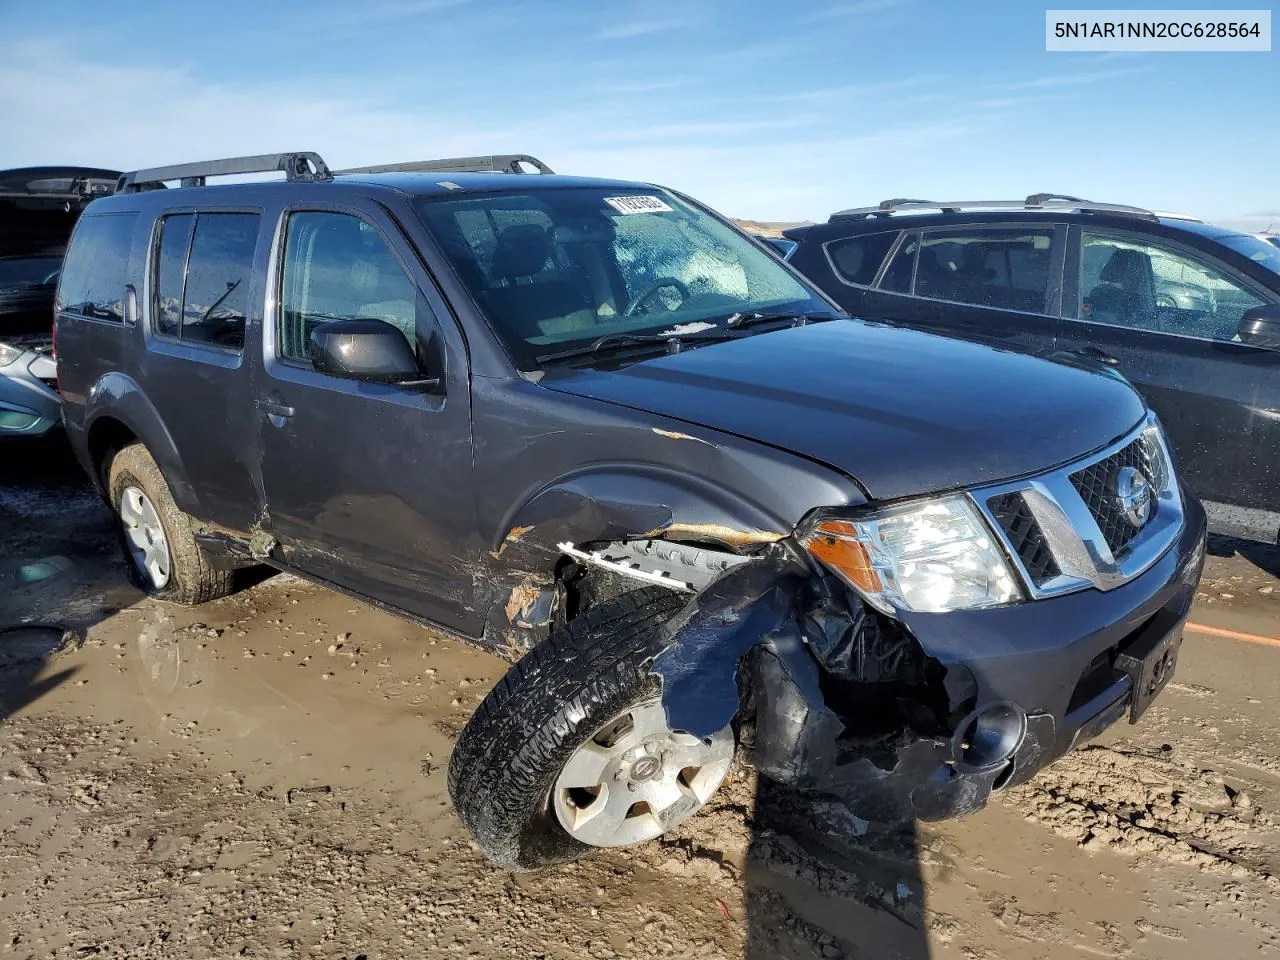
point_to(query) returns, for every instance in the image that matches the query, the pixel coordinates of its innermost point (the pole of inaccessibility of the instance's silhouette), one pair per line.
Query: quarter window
(171, 273)
(203, 270)
(94, 273)
(1129, 283)
(857, 259)
(338, 267)
(1006, 269)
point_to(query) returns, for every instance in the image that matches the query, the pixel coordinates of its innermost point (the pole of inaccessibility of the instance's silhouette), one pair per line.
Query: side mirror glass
(366, 349)
(1260, 327)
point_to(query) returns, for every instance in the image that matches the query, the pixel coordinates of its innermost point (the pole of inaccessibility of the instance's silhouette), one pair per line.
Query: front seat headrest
(522, 251)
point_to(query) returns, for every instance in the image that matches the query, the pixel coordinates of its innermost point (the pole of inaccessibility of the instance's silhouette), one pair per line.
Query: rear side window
(897, 278)
(202, 277)
(94, 273)
(1007, 269)
(857, 259)
(171, 272)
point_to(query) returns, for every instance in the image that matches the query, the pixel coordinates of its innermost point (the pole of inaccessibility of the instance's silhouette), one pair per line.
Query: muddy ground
(264, 776)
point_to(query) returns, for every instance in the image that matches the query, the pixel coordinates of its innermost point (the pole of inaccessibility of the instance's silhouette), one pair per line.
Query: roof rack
(1035, 202)
(1172, 215)
(498, 163)
(298, 166)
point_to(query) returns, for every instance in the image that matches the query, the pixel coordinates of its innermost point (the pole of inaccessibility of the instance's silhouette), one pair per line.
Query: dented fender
(634, 502)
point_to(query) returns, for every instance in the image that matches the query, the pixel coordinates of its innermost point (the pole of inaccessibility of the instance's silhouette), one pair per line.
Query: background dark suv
(1186, 311)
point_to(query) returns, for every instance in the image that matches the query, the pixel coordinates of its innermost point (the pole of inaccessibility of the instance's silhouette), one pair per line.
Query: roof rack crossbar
(1035, 202)
(1037, 199)
(298, 166)
(497, 163)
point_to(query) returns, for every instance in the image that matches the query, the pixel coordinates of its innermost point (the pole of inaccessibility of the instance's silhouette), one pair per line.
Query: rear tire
(156, 536)
(506, 769)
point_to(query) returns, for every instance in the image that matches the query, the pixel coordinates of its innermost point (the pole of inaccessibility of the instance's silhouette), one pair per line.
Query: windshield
(560, 268)
(28, 271)
(1259, 251)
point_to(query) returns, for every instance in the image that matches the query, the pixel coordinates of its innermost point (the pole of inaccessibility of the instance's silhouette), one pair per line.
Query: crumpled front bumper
(755, 644)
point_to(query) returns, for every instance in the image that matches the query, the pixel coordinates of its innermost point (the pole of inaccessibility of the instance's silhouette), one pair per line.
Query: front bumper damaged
(845, 704)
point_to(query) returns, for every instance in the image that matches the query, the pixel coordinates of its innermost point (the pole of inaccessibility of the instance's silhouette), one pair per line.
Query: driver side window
(1130, 283)
(338, 267)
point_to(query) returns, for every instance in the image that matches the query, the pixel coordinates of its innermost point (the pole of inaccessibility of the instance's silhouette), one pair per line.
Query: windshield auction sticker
(1153, 31)
(637, 204)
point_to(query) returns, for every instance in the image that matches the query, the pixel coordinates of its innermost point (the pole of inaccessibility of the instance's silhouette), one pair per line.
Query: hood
(902, 412)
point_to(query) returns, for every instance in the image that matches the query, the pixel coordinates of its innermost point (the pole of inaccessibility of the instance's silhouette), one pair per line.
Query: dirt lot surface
(264, 776)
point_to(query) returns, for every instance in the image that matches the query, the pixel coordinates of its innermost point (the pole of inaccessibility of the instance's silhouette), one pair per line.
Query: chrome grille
(1025, 536)
(1096, 485)
(1063, 529)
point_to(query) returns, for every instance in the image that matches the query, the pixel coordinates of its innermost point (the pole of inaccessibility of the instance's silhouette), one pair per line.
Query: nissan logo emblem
(1134, 495)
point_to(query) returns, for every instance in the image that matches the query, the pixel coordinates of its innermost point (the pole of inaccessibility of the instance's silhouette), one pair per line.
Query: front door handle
(276, 409)
(1094, 353)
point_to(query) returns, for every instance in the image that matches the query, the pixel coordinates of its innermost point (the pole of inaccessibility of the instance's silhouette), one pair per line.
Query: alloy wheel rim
(144, 536)
(636, 778)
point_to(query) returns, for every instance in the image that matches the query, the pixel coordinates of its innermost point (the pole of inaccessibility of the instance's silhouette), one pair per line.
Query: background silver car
(29, 401)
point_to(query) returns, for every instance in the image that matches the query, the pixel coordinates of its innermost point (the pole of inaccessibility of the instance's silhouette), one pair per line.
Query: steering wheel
(660, 284)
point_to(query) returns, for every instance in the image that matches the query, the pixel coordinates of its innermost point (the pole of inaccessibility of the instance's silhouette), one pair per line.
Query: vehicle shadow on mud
(60, 571)
(820, 882)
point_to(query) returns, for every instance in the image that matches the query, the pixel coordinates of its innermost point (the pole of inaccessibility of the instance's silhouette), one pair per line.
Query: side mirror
(366, 349)
(1260, 327)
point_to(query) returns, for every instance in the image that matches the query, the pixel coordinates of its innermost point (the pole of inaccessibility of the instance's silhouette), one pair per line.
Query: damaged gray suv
(596, 428)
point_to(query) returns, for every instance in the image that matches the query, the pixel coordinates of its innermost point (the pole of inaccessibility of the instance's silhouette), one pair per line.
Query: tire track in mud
(110, 849)
(1147, 804)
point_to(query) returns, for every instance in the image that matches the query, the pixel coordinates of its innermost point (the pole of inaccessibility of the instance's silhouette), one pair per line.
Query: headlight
(9, 354)
(927, 557)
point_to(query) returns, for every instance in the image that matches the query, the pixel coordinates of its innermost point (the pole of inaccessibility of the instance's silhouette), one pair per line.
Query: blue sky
(766, 110)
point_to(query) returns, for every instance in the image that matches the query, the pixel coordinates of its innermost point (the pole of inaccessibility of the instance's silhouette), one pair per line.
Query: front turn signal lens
(835, 543)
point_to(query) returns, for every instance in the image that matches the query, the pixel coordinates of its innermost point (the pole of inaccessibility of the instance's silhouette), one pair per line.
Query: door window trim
(176, 345)
(1072, 285)
(1054, 292)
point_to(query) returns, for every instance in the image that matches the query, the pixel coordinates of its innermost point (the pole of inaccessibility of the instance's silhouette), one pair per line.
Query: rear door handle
(1093, 353)
(130, 305)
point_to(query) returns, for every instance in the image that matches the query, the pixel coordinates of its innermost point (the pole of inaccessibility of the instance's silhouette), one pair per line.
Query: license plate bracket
(1150, 665)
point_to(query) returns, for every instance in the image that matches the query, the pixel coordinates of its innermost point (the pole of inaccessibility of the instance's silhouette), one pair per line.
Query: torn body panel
(920, 717)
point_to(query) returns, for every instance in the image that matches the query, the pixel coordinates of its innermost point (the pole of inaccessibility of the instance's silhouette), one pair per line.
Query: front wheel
(571, 750)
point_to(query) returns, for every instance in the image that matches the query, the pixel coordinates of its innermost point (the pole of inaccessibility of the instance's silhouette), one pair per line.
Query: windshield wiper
(753, 317)
(611, 342)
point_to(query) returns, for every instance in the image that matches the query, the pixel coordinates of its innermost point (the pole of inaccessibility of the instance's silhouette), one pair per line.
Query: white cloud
(858, 8)
(627, 29)
(1072, 79)
(747, 158)
(382, 12)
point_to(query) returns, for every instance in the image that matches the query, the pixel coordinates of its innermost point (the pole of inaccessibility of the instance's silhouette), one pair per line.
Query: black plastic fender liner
(753, 637)
(751, 605)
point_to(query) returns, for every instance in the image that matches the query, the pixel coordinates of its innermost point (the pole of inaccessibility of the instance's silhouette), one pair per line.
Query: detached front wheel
(571, 751)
